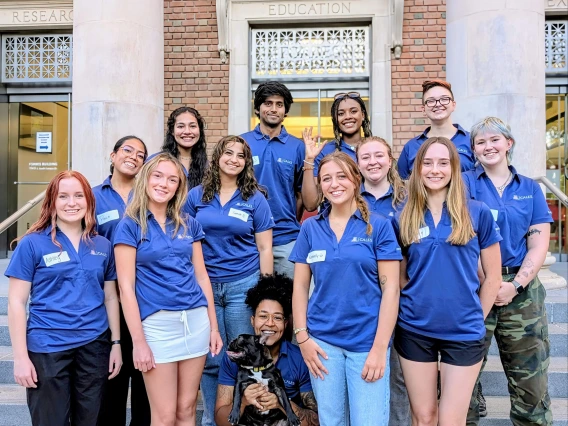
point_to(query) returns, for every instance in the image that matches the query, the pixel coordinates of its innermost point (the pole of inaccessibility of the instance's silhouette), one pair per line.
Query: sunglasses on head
(353, 95)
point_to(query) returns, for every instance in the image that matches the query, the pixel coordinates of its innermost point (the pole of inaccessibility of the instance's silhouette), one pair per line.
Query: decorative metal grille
(556, 50)
(310, 53)
(37, 58)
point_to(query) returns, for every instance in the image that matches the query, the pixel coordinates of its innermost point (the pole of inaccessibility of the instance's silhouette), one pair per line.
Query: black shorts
(416, 347)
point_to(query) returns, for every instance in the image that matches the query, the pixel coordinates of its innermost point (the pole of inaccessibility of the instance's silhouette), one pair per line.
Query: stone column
(118, 79)
(495, 63)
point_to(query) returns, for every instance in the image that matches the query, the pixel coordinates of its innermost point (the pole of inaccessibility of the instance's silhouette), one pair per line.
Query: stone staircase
(14, 411)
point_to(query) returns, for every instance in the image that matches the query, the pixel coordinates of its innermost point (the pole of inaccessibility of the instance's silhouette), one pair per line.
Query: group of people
(392, 290)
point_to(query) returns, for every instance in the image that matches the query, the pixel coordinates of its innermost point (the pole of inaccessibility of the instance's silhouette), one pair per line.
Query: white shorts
(177, 335)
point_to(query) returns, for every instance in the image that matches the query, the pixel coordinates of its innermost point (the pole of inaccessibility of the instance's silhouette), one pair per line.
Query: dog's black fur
(248, 350)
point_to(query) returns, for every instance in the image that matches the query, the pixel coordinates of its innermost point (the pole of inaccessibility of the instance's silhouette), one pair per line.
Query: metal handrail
(22, 211)
(563, 198)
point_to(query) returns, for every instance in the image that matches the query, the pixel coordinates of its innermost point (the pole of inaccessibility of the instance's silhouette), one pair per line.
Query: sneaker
(481, 402)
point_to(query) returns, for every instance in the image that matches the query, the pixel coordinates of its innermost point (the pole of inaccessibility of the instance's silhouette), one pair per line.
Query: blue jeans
(281, 262)
(344, 397)
(233, 316)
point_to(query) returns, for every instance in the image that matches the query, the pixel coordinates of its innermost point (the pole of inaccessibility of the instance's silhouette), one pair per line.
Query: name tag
(239, 214)
(255, 160)
(107, 216)
(55, 258)
(495, 214)
(423, 232)
(316, 256)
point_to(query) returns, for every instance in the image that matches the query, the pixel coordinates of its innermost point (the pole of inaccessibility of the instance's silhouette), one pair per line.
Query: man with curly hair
(271, 303)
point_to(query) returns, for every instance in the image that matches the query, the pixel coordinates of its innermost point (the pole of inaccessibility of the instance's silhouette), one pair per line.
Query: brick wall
(423, 57)
(194, 75)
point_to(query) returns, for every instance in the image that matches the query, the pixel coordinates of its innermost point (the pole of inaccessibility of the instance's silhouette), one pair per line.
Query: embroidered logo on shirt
(98, 253)
(283, 160)
(55, 258)
(462, 150)
(361, 240)
(183, 237)
(245, 205)
(107, 216)
(522, 197)
(239, 214)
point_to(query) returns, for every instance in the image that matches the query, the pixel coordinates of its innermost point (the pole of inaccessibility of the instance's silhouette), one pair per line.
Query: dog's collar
(257, 369)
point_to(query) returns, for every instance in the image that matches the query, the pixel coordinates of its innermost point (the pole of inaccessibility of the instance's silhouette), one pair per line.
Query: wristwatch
(518, 287)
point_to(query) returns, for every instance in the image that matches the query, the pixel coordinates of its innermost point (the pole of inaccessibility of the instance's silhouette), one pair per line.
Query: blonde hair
(349, 167)
(398, 188)
(138, 207)
(412, 216)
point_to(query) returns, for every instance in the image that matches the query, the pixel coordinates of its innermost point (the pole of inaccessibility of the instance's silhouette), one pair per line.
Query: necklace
(184, 158)
(501, 188)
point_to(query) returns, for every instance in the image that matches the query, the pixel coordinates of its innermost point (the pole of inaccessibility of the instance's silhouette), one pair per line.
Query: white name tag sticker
(495, 214)
(55, 258)
(316, 256)
(107, 216)
(239, 214)
(423, 232)
(255, 160)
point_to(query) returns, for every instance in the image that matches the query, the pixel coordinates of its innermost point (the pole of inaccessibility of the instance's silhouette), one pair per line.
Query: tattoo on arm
(225, 396)
(527, 268)
(308, 416)
(533, 231)
(383, 280)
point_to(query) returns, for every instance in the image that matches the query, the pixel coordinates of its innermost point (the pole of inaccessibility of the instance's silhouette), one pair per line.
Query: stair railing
(22, 211)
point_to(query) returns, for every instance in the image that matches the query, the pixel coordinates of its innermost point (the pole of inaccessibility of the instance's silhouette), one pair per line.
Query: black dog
(255, 366)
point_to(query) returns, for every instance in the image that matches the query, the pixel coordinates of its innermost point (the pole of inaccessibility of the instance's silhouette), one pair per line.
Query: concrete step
(495, 383)
(14, 410)
(498, 408)
(557, 333)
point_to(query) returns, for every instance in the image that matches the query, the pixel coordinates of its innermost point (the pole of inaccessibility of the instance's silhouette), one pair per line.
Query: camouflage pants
(521, 332)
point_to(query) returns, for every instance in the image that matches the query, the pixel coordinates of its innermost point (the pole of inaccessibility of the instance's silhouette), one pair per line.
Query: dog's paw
(234, 418)
(293, 420)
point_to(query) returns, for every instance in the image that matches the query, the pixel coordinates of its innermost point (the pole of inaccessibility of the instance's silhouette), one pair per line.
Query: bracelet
(297, 330)
(307, 168)
(116, 342)
(299, 343)
(307, 162)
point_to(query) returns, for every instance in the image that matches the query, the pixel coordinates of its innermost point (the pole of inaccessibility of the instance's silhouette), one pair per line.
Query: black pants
(113, 411)
(70, 385)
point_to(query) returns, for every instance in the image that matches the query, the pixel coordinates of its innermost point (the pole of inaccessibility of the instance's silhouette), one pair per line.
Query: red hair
(48, 214)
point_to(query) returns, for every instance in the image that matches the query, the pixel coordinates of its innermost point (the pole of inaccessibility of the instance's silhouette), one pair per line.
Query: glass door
(38, 149)
(557, 169)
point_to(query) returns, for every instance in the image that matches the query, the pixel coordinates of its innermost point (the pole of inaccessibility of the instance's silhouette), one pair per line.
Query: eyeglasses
(128, 151)
(431, 103)
(277, 318)
(352, 95)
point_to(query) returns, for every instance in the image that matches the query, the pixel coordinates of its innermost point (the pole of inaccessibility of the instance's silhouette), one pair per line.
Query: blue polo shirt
(291, 365)
(278, 166)
(522, 205)
(109, 208)
(229, 248)
(381, 205)
(441, 299)
(328, 148)
(344, 307)
(460, 139)
(67, 297)
(165, 278)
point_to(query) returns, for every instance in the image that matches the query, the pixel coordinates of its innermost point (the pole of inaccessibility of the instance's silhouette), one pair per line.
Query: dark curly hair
(246, 181)
(277, 287)
(366, 125)
(272, 88)
(198, 151)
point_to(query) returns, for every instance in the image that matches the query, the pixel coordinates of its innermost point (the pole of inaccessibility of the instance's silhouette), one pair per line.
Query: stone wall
(193, 73)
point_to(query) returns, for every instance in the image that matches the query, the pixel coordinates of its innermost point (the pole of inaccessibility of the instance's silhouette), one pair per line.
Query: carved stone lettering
(551, 5)
(47, 16)
(311, 9)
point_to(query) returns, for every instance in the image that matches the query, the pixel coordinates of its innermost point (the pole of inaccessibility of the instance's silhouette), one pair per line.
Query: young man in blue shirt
(278, 160)
(438, 104)
(271, 302)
